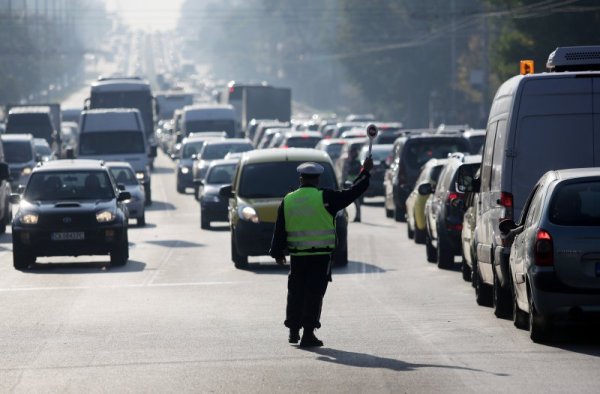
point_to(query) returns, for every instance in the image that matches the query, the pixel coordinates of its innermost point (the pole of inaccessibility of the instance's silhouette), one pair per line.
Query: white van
(208, 117)
(537, 122)
(117, 135)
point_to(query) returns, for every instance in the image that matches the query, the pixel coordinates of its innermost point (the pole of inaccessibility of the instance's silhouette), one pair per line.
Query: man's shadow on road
(362, 360)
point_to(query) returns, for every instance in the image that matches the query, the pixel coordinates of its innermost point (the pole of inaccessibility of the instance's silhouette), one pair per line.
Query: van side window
(488, 151)
(496, 175)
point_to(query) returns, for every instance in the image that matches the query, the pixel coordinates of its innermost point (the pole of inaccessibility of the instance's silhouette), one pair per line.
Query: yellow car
(262, 178)
(415, 203)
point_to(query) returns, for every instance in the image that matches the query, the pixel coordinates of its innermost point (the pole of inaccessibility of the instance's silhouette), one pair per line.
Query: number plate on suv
(70, 236)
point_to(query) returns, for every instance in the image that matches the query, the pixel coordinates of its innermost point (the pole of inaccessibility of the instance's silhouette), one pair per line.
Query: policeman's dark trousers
(307, 283)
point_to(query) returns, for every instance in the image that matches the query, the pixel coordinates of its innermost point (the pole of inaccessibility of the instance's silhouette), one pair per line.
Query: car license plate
(71, 236)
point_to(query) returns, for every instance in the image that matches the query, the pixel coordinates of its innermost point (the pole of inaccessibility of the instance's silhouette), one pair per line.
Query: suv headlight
(140, 176)
(105, 216)
(26, 171)
(248, 213)
(184, 170)
(29, 218)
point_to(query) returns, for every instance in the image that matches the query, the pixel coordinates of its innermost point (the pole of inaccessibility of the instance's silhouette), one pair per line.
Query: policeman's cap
(310, 169)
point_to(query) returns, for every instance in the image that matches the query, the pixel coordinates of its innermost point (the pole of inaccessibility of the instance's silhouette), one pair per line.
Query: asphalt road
(180, 318)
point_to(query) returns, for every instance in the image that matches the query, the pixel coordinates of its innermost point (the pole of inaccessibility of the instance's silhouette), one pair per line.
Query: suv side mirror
(347, 184)
(15, 198)
(123, 196)
(506, 226)
(226, 191)
(4, 172)
(425, 189)
(466, 181)
(120, 186)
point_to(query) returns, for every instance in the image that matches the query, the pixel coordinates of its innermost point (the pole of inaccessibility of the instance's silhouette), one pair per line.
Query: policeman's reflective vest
(310, 228)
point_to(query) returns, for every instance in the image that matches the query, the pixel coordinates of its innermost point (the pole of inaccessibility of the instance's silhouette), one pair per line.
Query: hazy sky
(148, 14)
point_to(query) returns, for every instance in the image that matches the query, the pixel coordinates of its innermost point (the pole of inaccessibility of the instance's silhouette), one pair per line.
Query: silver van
(537, 122)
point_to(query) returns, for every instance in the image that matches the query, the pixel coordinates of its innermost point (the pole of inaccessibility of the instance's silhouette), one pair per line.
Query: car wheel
(399, 214)
(21, 259)
(419, 236)
(483, 291)
(409, 232)
(430, 250)
(120, 255)
(389, 213)
(445, 257)
(502, 301)
(238, 260)
(204, 222)
(5, 219)
(148, 195)
(180, 189)
(466, 270)
(141, 222)
(539, 325)
(196, 193)
(520, 318)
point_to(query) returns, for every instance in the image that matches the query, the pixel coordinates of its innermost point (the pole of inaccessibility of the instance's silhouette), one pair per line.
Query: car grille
(67, 220)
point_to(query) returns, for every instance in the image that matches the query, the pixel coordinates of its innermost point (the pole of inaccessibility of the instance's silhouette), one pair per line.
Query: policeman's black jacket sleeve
(334, 201)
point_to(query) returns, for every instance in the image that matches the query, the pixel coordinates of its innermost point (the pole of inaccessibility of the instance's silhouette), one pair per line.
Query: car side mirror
(38, 158)
(347, 184)
(466, 182)
(226, 191)
(4, 172)
(425, 189)
(21, 189)
(198, 182)
(120, 186)
(123, 196)
(506, 226)
(86, 103)
(15, 198)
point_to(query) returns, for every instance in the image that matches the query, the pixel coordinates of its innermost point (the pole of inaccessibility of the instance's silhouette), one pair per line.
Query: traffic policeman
(305, 229)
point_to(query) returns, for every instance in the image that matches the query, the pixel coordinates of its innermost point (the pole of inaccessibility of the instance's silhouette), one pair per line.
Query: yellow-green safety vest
(309, 226)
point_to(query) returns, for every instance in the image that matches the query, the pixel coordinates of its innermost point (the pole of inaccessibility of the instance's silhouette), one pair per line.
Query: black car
(70, 208)
(444, 211)
(213, 206)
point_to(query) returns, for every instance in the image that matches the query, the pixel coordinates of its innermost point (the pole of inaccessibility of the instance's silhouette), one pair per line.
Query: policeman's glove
(281, 261)
(368, 164)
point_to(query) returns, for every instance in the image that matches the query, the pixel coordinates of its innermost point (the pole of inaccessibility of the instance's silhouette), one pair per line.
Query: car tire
(120, 255)
(6, 218)
(399, 214)
(180, 189)
(430, 250)
(196, 193)
(21, 259)
(445, 257)
(409, 232)
(389, 213)
(501, 300)
(539, 325)
(340, 257)
(204, 222)
(419, 236)
(141, 221)
(148, 195)
(239, 260)
(466, 270)
(520, 318)
(483, 291)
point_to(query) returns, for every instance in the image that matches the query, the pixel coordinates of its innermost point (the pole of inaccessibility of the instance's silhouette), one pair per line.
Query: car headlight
(184, 170)
(105, 216)
(30, 218)
(140, 176)
(248, 213)
(26, 171)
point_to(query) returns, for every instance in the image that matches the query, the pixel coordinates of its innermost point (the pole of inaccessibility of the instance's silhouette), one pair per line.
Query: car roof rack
(582, 58)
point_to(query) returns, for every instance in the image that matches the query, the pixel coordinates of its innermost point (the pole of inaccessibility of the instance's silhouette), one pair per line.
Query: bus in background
(208, 117)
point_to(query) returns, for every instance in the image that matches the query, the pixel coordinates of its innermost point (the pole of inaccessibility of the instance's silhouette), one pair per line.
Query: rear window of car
(69, 185)
(221, 174)
(302, 142)
(124, 176)
(417, 153)
(476, 142)
(218, 151)
(17, 151)
(576, 204)
(274, 180)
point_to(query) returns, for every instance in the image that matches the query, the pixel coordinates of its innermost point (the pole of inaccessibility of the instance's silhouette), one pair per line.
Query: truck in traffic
(37, 121)
(258, 101)
(167, 102)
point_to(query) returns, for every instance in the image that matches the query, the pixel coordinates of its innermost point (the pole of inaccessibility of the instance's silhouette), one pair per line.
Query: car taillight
(543, 249)
(451, 197)
(506, 200)
(283, 146)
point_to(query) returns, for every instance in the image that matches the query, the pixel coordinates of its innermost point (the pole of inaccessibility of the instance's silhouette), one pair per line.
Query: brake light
(231, 89)
(544, 248)
(283, 146)
(454, 227)
(451, 197)
(506, 200)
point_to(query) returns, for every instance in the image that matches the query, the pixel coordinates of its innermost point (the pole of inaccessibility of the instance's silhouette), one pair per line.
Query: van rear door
(554, 130)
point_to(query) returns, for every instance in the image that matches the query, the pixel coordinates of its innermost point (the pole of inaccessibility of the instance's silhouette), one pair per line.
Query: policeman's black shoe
(294, 335)
(310, 340)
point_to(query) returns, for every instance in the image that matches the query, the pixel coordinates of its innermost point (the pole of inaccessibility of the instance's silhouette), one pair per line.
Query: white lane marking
(133, 286)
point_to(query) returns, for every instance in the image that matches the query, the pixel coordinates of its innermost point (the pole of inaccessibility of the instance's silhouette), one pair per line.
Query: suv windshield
(420, 152)
(195, 126)
(69, 185)
(17, 151)
(218, 151)
(112, 143)
(192, 148)
(274, 180)
(576, 204)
